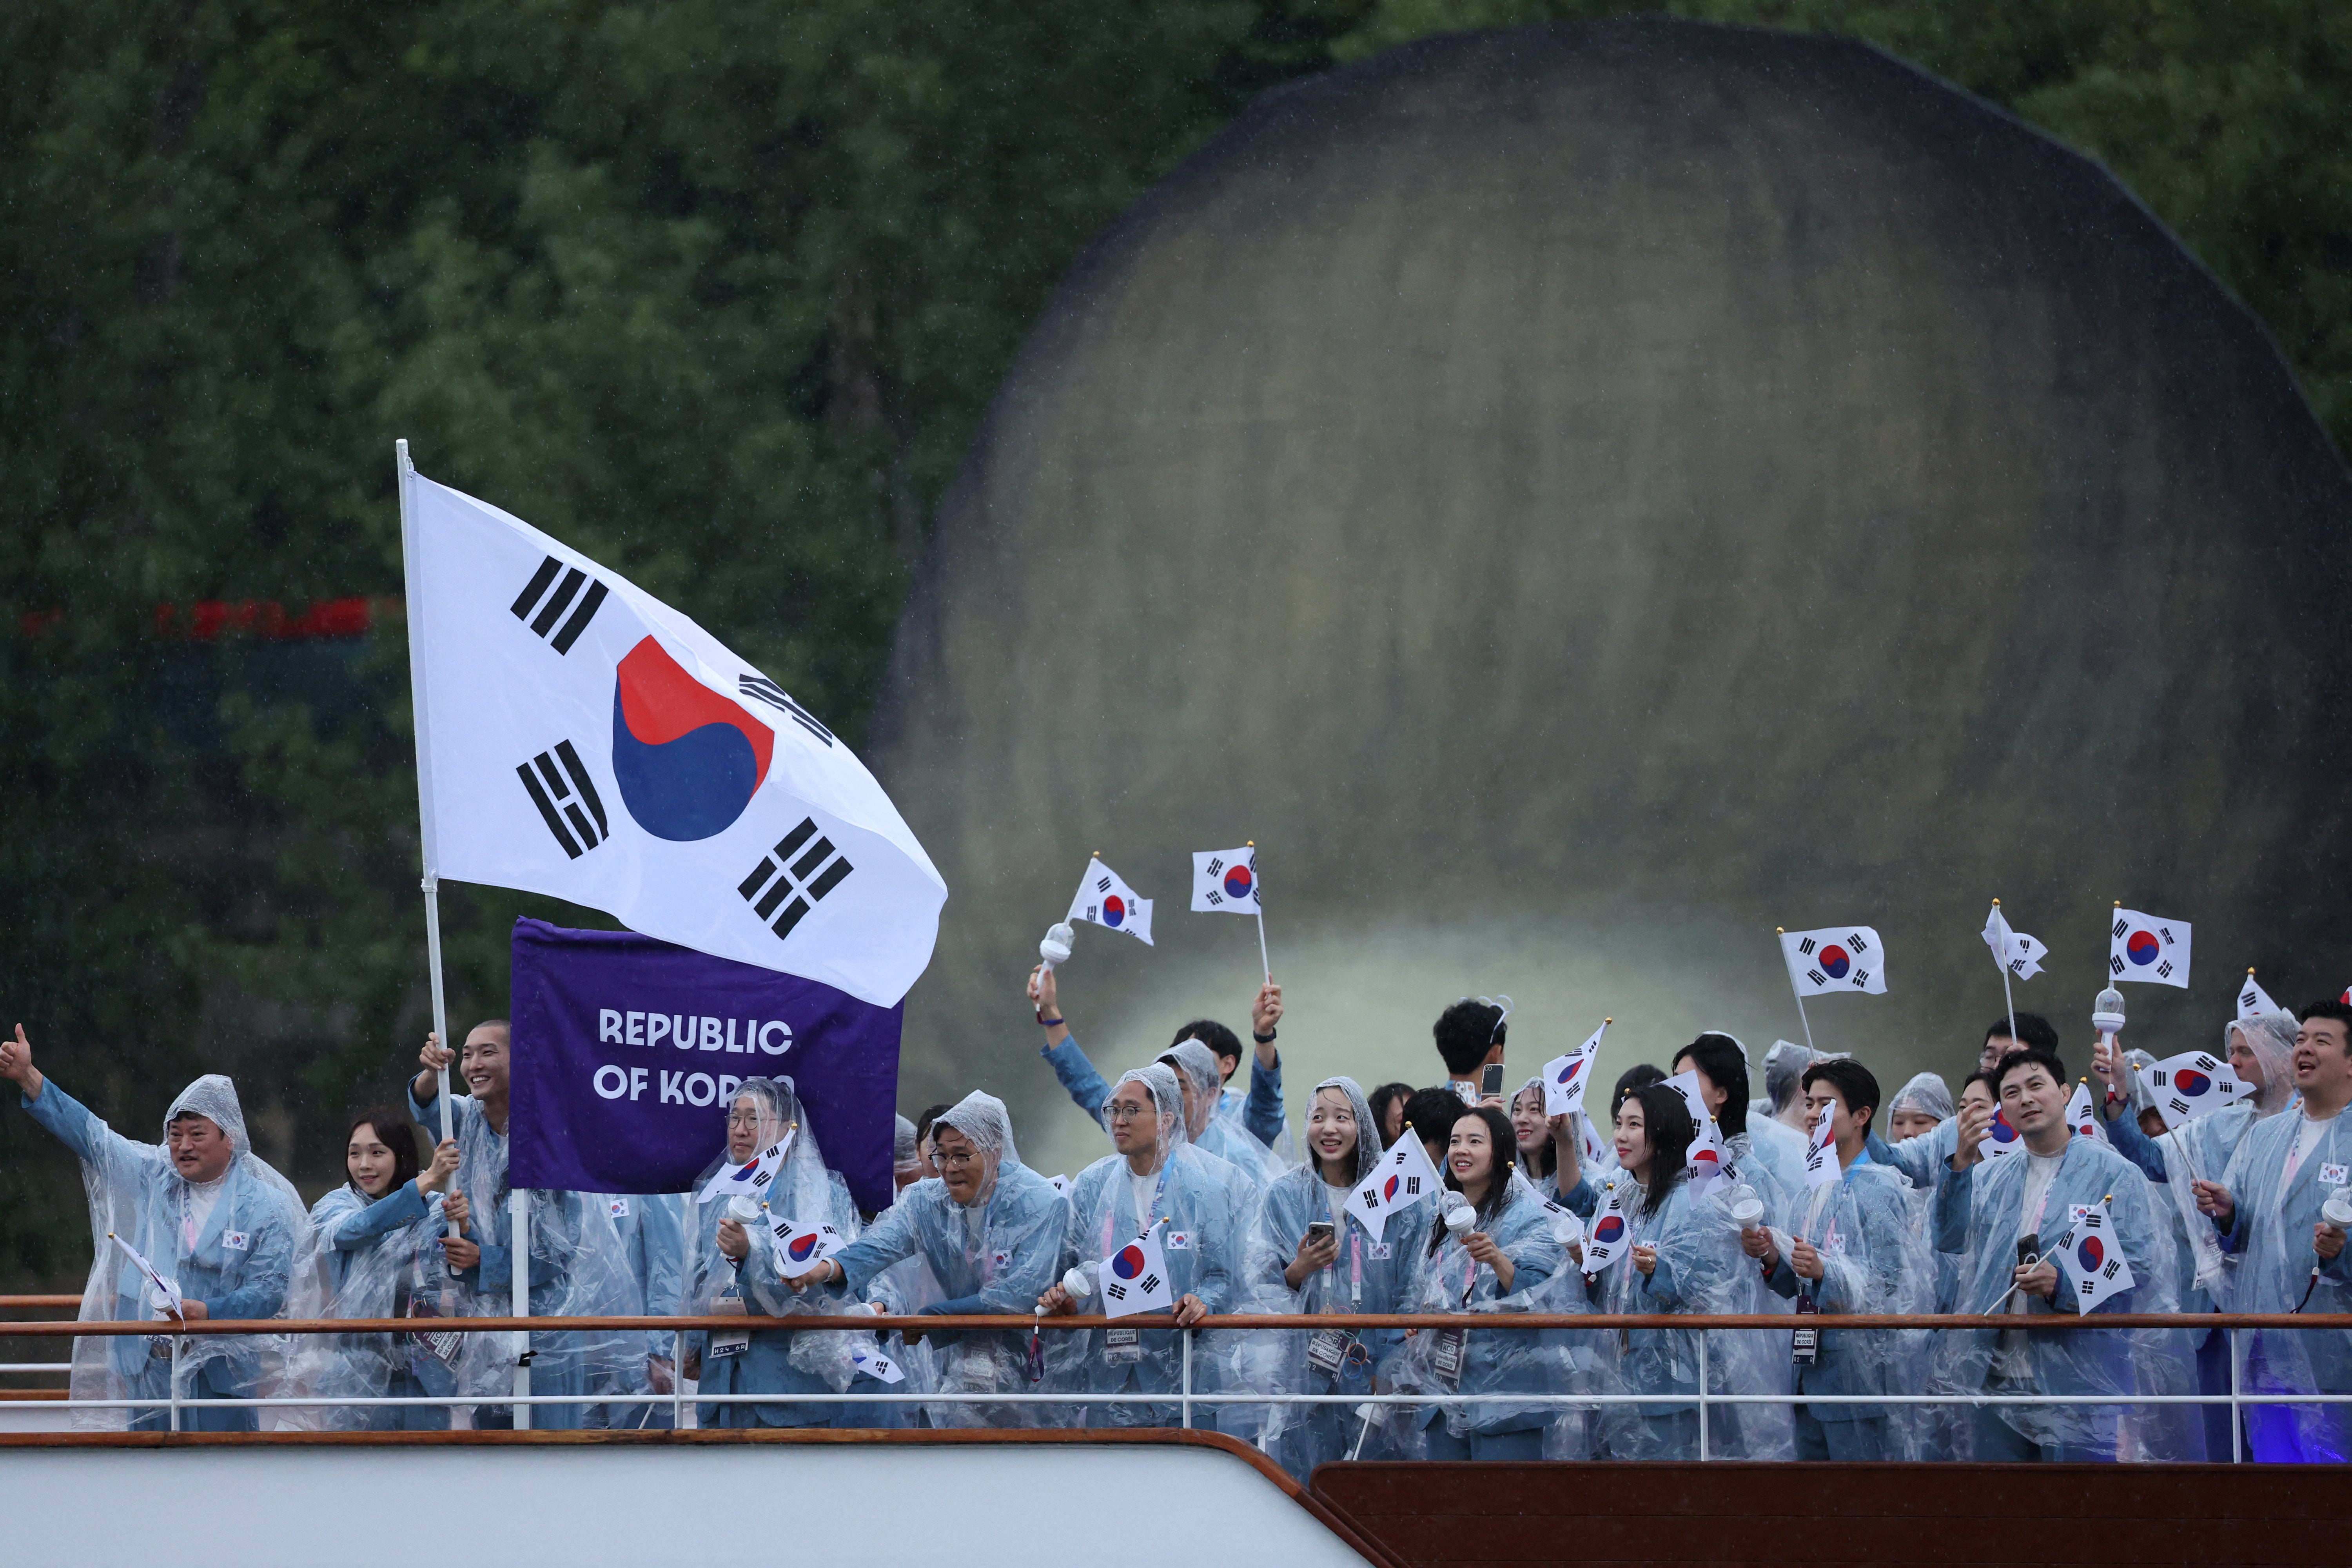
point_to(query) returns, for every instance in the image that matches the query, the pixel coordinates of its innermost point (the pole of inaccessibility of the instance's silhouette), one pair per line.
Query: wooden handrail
(10, 1302)
(970, 1322)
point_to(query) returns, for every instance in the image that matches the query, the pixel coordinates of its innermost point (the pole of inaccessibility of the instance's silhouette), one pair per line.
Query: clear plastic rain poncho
(905, 1159)
(1369, 1274)
(577, 1267)
(2272, 1234)
(1700, 1270)
(997, 1255)
(237, 1244)
(806, 1192)
(1979, 1212)
(1577, 1194)
(1784, 1069)
(1446, 1278)
(1223, 1136)
(2202, 1148)
(1874, 1261)
(377, 1258)
(1209, 1206)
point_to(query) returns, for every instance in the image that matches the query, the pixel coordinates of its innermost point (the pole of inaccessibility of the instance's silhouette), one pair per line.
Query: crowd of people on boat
(1655, 1211)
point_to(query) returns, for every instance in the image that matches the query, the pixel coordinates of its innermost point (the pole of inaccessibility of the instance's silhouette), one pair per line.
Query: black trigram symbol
(1806, 947)
(793, 877)
(775, 696)
(1149, 1283)
(1412, 1186)
(551, 606)
(1372, 1196)
(2178, 1106)
(2114, 963)
(1116, 1292)
(2164, 969)
(1862, 980)
(1817, 977)
(2117, 929)
(566, 797)
(1856, 943)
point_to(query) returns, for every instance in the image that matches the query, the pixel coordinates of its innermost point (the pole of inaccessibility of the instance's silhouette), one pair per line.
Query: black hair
(1222, 1042)
(1380, 1099)
(2331, 1008)
(1429, 1114)
(1545, 1160)
(1466, 1031)
(2033, 1031)
(1640, 1074)
(2029, 1056)
(1725, 1065)
(923, 1122)
(1980, 1076)
(1855, 1084)
(397, 1135)
(1667, 1126)
(1503, 1138)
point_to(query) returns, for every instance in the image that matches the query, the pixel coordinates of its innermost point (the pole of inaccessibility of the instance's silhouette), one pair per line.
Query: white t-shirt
(2306, 1138)
(1145, 1187)
(197, 1212)
(1337, 1198)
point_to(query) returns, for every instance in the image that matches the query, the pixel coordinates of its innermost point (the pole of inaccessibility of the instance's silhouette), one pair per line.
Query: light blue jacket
(1873, 1262)
(1261, 1113)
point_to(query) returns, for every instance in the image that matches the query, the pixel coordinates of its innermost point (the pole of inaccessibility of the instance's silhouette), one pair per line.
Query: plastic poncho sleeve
(2127, 1140)
(891, 1238)
(91, 1139)
(1085, 1086)
(1954, 1203)
(387, 1213)
(1262, 1112)
(1918, 1160)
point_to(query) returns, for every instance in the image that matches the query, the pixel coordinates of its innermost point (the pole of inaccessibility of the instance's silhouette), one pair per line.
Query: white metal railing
(1184, 1397)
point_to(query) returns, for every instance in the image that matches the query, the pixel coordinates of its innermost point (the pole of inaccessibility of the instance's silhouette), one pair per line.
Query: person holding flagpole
(1261, 1112)
(2014, 1221)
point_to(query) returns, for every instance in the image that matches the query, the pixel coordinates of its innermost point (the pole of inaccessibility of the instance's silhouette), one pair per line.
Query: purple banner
(627, 1051)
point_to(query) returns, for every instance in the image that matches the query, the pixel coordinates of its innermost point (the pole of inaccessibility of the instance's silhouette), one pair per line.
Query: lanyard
(1355, 1267)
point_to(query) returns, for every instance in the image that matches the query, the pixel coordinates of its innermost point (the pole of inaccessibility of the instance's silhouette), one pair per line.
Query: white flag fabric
(1403, 1175)
(2192, 1084)
(1059, 1184)
(1836, 958)
(2142, 947)
(1225, 881)
(1706, 1157)
(749, 1179)
(1564, 1077)
(2094, 1257)
(165, 1293)
(1822, 1167)
(577, 737)
(1685, 1083)
(1105, 899)
(2253, 1002)
(1606, 1241)
(1135, 1278)
(2014, 951)
(804, 1245)
(2083, 1114)
(868, 1359)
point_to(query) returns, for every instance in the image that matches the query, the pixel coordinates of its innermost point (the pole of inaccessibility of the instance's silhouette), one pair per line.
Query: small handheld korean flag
(2082, 1115)
(869, 1360)
(1564, 1077)
(1706, 1157)
(1225, 881)
(164, 1295)
(1104, 900)
(2014, 951)
(2001, 1138)
(1685, 1083)
(1135, 1278)
(1607, 1241)
(1821, 1168)
(1403, 1175)
(749, 1179)
(2093, 1259)
(2142, 947)
(805, 1246)
(1837, 958)
(2191, 1085)
(2253, 1002)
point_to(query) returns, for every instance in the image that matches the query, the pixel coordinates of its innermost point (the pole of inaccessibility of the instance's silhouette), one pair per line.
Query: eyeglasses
(947, 1161)
(1119, 1111)
(747, 1119)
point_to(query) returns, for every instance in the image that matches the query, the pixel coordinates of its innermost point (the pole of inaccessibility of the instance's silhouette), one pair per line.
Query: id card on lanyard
(1327, 1348)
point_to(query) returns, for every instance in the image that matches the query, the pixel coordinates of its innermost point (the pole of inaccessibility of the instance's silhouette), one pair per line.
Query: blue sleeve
(268, 1269)
(661, 1231)
(1782, 1280)
(2134, 1145)
(1262, 1112)
(1663, 1285)
(1085, 1086)
(891, 1237)
(73, 1123)
(1954, 1200)
(386, 1213)
(428, 1116)
(962, 1306)
(1584, 1198)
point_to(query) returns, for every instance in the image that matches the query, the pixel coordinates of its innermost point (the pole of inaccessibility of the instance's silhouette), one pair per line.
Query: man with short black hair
(2009, 1218)
(1853, 1251)
(1260, 1114)
(2289, 1257)
(2012, 1032)
(1470, 1036)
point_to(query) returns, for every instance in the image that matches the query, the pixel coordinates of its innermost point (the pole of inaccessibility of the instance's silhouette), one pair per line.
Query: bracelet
(1266, 1038)
(1049, 1023)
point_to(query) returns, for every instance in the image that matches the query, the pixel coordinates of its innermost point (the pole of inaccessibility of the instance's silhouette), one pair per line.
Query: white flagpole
(403, 472)
(1808, 1023)
(2002, 958)
(1264, 963)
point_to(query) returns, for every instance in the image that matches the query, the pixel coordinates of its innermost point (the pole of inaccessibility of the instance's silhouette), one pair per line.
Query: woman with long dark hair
(1509, 1251)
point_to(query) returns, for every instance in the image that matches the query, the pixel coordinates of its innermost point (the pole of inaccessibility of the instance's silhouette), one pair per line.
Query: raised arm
(68, 1119)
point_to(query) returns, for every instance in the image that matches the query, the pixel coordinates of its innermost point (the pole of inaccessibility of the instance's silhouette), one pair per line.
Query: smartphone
(1319, 1231)
(1491, 1080)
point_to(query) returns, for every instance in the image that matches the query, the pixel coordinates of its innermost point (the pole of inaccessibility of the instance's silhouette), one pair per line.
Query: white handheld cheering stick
(1056, 948)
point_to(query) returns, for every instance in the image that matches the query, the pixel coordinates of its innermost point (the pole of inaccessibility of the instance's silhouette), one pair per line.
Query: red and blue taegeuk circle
(2002, 1132)
(800, 1246)
(2142, 947)
(1389, 1188)
(2090, 1254)
(1238, 881)
(1569, 1074)
(1611, 1228)
(1128, 1263)
(1835, 962)
(1114, 910)
(2189, 1081)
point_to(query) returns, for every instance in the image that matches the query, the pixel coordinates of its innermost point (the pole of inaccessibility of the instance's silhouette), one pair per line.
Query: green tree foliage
(715, 290)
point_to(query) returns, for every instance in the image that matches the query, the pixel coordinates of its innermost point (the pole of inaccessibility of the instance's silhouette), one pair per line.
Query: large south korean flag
(579, 738)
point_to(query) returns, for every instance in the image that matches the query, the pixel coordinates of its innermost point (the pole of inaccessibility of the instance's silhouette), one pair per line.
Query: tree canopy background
(716, 290)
